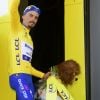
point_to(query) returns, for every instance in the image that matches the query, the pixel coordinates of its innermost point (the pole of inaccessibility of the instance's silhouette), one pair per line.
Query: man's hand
(46, 75)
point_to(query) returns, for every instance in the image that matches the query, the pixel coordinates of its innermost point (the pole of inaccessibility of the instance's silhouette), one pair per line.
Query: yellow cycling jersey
(20, 44)
(54, 86)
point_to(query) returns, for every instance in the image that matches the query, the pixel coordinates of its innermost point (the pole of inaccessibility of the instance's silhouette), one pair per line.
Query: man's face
(30, 19)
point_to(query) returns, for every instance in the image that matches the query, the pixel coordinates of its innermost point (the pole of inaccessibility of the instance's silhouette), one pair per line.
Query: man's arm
(36, 73)
(14, 14)
(39, 74)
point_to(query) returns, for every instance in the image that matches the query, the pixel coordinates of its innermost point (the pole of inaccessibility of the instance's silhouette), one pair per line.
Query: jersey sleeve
(36, 72)
(14, 14)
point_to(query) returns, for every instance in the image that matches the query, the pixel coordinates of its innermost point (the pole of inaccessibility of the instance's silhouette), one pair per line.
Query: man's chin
(31, 26)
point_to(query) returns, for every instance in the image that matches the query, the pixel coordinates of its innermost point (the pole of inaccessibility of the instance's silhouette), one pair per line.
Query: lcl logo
(52, 88)
(17, 48)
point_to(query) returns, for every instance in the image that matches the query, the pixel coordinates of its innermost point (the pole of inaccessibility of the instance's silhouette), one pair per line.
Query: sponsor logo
(17, 48)
(51, 88)
(22, 88)
(17, 59)
(63, 94)
(17, 44)
(31, 93)
(26, 45)
(26, 51)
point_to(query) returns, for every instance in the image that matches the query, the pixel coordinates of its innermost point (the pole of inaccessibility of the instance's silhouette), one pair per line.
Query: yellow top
(20, 44)
(53, 85)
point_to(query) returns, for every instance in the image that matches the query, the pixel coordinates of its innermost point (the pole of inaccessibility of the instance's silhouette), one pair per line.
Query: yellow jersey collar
(26, 29)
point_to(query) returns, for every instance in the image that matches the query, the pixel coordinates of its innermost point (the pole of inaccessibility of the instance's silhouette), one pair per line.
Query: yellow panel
(69, 1)
(74, 45)
(77, 1)
(72, 2)
(5, 92)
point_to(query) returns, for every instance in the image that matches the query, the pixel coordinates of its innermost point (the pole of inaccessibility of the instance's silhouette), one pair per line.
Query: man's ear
(22, 17)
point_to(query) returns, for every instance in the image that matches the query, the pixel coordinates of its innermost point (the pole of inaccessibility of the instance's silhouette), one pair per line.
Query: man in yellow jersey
(20, 49)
